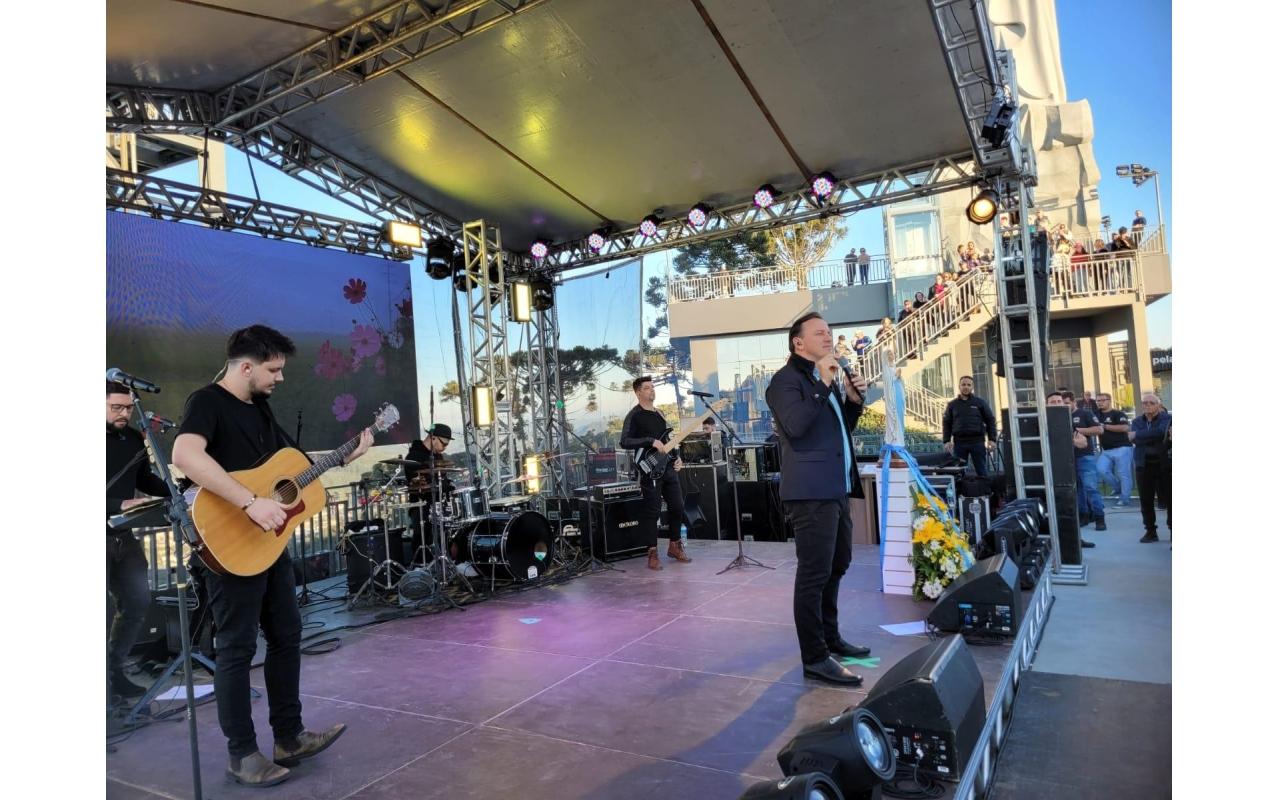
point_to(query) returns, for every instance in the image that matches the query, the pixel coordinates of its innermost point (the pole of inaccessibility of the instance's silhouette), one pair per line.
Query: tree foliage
(746, 250)
(804, 244)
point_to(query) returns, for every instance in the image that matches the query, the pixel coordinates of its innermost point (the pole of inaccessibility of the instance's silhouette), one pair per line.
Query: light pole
(1140, 174)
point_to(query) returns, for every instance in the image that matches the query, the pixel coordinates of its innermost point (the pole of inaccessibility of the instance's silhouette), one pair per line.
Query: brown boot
(306, 745)
(256, 771)
(653, 559)
(676, 550)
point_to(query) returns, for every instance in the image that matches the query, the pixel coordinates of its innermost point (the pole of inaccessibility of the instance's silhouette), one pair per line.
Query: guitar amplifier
(708, 483)
(614, 492)
(602, 467)
(614, 526)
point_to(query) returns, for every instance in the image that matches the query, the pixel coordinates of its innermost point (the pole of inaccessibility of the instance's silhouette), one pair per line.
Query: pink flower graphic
(331, 363)
(355, 291)
(356, 364)
(365, 341)
(380, 366)
(344, 406)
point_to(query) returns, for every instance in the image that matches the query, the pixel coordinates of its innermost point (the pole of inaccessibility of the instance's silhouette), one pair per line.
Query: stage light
(532, 474)
(544, 294)
(481, 406)
(810, 786)
(823, 184)
(851, 748)
(698, 215)
(404, 234)
(1123, 171)
(521, 302)
(999, 120)
(539, 249)
(649, 225)
(596, 240)
(982, 209)
(440, 257)
(764, 196)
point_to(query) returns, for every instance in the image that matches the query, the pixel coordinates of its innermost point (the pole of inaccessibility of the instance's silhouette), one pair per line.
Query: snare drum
(518, 546)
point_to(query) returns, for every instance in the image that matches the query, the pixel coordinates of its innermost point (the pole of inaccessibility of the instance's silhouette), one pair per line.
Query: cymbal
(401, 462)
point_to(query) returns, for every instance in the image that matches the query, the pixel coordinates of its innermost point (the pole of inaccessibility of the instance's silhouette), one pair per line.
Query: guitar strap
(280, 432)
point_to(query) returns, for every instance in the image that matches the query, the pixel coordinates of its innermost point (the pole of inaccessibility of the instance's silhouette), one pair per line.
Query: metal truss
(163, 199)
(964, 32)
(546, 400)
(490, 364)
(851, 194)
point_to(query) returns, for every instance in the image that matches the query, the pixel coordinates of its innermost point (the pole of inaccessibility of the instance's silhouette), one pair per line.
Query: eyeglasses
(116, 408)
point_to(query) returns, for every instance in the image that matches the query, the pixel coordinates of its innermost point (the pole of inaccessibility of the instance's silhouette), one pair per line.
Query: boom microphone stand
(183, 524)
(742, 559)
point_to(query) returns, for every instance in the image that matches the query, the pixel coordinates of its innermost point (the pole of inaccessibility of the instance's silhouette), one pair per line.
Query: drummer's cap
(441, 431)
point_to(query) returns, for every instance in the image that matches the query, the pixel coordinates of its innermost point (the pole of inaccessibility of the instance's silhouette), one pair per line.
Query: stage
(674, 684)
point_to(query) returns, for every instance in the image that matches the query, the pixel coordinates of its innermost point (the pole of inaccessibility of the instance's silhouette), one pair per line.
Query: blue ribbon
(887, 452)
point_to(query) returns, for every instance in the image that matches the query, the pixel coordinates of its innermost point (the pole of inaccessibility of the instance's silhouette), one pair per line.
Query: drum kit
(437, 530)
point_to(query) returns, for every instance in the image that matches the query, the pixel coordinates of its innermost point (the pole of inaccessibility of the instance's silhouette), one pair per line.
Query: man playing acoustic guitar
(228, 426)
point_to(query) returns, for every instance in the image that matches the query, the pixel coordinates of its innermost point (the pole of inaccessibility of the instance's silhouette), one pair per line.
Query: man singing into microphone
(816, 406)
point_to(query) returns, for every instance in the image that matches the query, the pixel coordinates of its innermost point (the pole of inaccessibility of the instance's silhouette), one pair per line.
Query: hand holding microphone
(855, 386)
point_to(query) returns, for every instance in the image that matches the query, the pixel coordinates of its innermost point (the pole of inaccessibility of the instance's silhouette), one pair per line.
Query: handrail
(1095, 277)
(925, 405)
(829, 273)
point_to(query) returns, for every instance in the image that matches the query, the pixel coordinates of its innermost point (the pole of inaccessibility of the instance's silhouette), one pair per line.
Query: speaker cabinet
(933, 707)
(1062, 456)
(759, 510)
(984, 600)
(614, 528)
(1066, 503)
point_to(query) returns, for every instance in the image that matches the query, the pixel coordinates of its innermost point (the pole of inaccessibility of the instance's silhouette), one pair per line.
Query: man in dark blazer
(815, 407)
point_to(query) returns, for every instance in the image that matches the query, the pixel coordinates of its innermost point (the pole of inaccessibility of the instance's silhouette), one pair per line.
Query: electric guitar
(650, 463)
(230, 543)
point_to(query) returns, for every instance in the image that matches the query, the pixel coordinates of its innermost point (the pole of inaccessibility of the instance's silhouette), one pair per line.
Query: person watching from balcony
(843, 351)
(1123, 242)
(919, 301)
(864, 265)
(861, 342)
(939, 286)
(886, 330)
(850, 261)
(1099, 246)
(1139, 225)
(971, 255)
(907, 308)
(964, 423)
(987, 258)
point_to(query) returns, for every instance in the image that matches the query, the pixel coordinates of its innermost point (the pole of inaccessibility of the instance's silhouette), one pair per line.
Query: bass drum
(516, 546)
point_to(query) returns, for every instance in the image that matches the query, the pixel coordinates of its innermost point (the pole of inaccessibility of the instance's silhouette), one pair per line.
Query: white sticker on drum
(533, 573)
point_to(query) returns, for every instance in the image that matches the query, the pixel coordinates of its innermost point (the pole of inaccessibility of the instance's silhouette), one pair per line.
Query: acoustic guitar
(231, 543)
(650, 463)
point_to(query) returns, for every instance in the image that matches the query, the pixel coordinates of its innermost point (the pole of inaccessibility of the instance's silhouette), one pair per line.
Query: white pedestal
(897, 576)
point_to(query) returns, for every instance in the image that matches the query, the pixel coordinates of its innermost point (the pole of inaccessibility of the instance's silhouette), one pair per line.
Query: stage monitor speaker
(759, 510)
(809, 786)
(708, 482)
(1062, 457)
(984, 600)
(1010, 534)
(614, 527)
(933, 707)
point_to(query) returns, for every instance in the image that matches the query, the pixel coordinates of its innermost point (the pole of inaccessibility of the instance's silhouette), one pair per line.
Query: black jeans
(1155, 478)
(862, 271)
(239, 606)
(130, 596)
(824, 547)
(963, 450)
(667, 487)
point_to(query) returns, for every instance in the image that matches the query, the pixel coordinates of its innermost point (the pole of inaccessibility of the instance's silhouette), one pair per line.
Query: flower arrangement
(939, 550)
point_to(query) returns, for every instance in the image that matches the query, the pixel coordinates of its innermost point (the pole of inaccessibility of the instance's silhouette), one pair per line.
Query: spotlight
(532, 474)
(440, 257)
(999, 120)
(404, 234)
(649, 225)
(810, 786)
(823, 184)
(539, 248)
(521, 302)
(481, 406)
(851, 748)
(596, 240)
(698, 215)
(544, 294)
(458, 266)
(764, 196)
(982, 209)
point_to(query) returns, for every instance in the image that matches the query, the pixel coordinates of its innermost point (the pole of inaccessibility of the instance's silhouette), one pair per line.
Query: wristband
(252, 500)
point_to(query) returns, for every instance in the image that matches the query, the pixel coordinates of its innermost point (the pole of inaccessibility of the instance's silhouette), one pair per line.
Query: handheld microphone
(120, 376)
(848, 376)
(702, 394)
(158, 423)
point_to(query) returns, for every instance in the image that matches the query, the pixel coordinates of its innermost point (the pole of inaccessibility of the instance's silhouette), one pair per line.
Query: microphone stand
(184, 529)
(742, 559)
(595, 564)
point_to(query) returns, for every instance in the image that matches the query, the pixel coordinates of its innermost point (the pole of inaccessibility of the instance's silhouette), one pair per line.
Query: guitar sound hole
(285, 492)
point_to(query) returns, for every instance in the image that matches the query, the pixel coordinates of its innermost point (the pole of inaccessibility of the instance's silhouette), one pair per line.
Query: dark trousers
(665, 488)
(130, 596)
(862, 271)
(965, 449)
(240, 605)
(824, 547)
(1155, 478)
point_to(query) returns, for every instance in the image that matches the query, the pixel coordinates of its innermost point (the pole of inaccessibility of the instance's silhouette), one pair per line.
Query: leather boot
(306, 745)
(653, 559)
(256, 771)
(675, 549)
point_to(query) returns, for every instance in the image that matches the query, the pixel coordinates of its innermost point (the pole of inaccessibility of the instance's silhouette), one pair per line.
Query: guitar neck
(328, 461)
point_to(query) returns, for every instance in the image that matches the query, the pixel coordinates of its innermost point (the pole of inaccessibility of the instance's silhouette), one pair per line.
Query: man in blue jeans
(1115, 464)
(1087, 426)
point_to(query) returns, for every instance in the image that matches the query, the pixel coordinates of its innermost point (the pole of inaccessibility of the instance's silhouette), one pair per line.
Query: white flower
(935, 544)
(395, 339)
(932, 589)
(919, 523)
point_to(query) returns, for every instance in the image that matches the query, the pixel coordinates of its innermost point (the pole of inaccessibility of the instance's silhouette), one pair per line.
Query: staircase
(925, 406)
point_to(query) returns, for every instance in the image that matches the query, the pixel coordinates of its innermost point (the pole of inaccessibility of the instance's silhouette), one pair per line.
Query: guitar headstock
(387, 417)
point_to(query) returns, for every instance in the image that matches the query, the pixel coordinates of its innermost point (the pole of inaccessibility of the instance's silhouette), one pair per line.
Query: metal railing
(1099, 275)
(828, 274)
(924, 405)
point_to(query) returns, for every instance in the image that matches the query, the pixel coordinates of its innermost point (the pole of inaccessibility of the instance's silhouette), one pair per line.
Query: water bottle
(684, 535)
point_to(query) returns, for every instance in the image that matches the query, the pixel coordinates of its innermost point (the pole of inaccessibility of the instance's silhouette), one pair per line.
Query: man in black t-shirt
(964, 423)
(1087, 425)
(228, 426)
(645, 427)
(1115, 463)
(130, 473)
(428, 452)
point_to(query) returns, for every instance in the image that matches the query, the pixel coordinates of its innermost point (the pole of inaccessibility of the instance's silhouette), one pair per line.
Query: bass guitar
(230, 543)
(651, 463)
